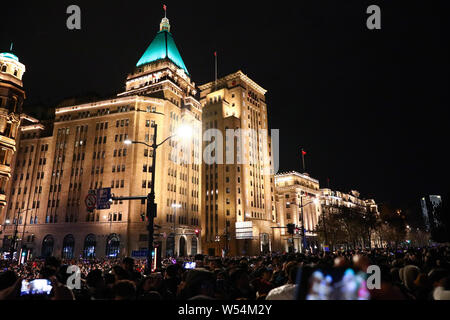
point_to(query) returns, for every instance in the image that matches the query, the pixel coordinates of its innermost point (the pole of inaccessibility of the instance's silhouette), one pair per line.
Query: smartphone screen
(190, 265)
(337, 285)
(36, 287)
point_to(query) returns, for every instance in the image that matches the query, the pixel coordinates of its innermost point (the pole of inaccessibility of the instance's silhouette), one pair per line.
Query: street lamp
(183, 131)
(175, 206)
(315, 201)
(16, 231)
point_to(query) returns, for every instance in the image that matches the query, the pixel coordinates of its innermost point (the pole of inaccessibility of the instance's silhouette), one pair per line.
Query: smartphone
(337, 284)
(36, 287)
(189, 265)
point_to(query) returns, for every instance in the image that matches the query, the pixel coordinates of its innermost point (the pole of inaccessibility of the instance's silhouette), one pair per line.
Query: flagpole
(215, 58)
(303, 160)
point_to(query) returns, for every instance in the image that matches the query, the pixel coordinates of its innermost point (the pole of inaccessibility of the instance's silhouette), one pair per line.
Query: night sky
(369, 107)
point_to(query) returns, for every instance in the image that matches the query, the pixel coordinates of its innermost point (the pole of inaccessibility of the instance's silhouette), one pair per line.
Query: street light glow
(185, 132)
(128, 142)
(176, 205)
(8, 221)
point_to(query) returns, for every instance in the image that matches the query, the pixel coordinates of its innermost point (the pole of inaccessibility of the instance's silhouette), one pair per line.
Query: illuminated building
(333, 201)
(84, 150)
(12, 96)
(295, 191)
(237, 203)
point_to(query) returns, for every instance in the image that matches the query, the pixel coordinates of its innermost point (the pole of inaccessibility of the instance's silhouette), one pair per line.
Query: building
(429, 205)
(333, 202)
(12, 95)
(297, 202)
(59, 163)
(238, 184)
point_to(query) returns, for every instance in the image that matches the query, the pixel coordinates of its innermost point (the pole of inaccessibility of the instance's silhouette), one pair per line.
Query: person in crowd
(406, 274)
(287, 291)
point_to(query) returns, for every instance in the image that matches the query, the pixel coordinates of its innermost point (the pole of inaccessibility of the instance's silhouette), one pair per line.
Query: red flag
(215, 53)
(165, 7)
(303, 153)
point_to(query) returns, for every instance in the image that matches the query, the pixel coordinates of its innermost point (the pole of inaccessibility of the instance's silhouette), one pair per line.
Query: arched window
(112, 246)
(47, 246)
(68, 247)
(89, 246)
(4, 68)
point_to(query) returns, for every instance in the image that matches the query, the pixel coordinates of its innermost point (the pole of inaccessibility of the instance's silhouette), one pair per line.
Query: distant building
(429, 205)
(298, 202)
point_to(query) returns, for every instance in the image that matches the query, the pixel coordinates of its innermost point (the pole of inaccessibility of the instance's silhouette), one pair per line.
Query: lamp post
(151, 205)
(175, 206)
(316, 201)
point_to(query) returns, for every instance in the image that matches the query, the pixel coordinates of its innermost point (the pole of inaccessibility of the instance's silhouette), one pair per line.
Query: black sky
(369, 107)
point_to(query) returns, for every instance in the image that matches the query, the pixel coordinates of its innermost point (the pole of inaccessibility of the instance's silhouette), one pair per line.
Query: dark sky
(369, 107)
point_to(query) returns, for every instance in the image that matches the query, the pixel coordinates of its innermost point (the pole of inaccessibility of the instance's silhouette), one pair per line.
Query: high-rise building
(238, 185)
(429, 205)
(298, 202)
(84, 150)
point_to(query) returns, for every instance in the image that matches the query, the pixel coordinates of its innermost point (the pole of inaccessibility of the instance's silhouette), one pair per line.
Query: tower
(238, 188)
(12, 96)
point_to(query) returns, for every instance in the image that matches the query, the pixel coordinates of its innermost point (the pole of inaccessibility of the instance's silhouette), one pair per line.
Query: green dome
(162, 47)
(9, 55)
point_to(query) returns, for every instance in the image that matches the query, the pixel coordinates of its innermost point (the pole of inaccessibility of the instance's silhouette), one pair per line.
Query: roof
(238, 74)
(9, 55)
(163, 46)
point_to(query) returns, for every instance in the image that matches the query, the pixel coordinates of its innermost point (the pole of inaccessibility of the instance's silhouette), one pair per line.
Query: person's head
(119, 273)
(199, 258)
(124, 290)
(171, 271)
(152, 283)
(408, 275)
(291, 271)
(199, 283)
(361, 262)
(436, 275)
(239, 279)
(95, 279)
(266, 274)
(62, 274)
(128, 264)
(52, 263)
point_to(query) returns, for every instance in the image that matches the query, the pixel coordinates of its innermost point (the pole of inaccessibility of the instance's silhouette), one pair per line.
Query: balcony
(7, 141)
(5, 170)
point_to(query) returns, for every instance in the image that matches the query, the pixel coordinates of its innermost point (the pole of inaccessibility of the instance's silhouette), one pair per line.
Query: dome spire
(165, 25)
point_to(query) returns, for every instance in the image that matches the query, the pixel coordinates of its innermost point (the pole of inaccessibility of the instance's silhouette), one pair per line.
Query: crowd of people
(406, 274)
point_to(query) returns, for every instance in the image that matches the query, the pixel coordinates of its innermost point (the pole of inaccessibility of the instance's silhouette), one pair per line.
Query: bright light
(176, 205)
(128, 142)
(316, 201)
(184, 132)
(8, 221)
